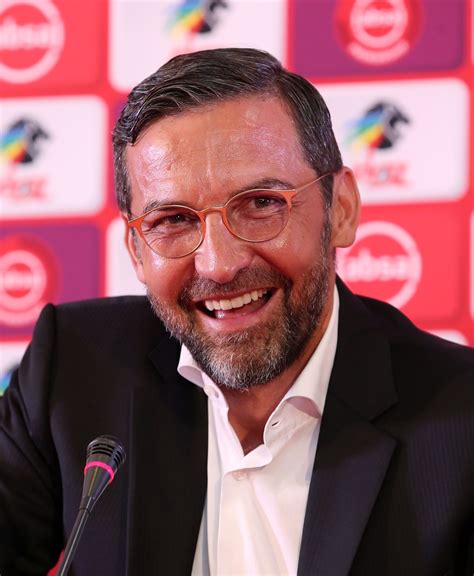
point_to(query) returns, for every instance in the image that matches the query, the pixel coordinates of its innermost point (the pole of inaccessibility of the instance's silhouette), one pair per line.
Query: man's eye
(267, 202)
(169, 221)
(175, 219)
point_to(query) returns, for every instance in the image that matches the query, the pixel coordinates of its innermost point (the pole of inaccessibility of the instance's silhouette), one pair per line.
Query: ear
(345, 208)
(132, 245)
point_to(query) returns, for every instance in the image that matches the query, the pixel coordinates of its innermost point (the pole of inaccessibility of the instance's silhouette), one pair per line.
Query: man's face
(274, 297)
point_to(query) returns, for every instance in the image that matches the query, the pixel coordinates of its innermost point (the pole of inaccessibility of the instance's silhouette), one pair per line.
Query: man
(281, 425)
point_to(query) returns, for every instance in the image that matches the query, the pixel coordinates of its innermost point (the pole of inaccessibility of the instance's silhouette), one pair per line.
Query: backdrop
(397, 76)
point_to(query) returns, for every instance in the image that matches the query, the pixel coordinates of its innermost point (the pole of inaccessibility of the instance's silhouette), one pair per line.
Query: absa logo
(378, 32)
(383, 263)
(27, 280)
(31, 39)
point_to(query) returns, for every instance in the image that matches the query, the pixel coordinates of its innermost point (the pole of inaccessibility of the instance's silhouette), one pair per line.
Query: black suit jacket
(392, 492)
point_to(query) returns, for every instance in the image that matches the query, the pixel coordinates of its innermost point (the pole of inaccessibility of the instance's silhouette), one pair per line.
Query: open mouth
(243, 304)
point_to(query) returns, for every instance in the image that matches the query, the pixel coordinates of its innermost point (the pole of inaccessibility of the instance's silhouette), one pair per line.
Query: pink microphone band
(97, 464)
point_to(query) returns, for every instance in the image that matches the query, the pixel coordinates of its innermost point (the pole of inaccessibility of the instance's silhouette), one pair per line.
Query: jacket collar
(168, 468)
(352, 455)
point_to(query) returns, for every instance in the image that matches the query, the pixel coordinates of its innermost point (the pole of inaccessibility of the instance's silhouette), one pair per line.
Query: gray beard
(255, 356)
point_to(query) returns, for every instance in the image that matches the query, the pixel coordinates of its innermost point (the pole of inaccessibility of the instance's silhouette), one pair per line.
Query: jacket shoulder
(422, 360)
(103, 307)
(104, 316)
(100, 340)
(403, 332)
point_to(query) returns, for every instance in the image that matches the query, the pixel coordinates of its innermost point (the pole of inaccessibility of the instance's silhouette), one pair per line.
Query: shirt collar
(313, 380)
(312, 383)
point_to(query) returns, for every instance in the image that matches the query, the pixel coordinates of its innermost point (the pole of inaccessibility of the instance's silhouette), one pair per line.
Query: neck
(250, 409)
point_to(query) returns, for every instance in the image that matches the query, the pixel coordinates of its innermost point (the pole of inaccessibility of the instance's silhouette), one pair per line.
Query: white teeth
(237, 302)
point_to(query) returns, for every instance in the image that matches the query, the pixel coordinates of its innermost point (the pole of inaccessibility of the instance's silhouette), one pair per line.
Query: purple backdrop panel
(40, 264)
(350, 37)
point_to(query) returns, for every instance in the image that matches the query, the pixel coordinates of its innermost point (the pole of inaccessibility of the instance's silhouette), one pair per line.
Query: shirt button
(239, 475)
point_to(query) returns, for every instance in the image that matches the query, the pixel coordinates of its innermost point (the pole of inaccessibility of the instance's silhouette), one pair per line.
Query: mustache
(246, 280)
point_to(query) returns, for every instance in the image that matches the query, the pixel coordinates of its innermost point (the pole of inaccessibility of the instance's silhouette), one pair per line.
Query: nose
(221, 255)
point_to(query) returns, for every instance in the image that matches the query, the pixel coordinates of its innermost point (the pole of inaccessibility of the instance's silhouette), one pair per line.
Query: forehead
(224, 146)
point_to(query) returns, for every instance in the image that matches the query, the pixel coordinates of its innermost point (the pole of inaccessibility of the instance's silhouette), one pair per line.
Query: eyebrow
(264, 183)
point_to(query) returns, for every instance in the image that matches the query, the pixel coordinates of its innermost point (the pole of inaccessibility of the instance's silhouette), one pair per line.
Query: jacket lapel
(168, 469)
(352, 455)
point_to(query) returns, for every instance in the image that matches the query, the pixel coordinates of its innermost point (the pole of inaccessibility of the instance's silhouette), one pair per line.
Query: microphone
(105, 455)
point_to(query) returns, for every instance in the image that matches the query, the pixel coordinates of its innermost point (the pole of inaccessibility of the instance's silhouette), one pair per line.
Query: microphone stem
(73, 541)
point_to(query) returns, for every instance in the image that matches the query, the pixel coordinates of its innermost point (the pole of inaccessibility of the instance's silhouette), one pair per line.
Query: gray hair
(211, 76)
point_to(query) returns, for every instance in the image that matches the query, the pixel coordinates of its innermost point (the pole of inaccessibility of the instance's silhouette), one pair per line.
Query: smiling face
(248, 312)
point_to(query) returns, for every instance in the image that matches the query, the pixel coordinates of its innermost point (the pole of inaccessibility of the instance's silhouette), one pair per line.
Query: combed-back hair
(211, 76)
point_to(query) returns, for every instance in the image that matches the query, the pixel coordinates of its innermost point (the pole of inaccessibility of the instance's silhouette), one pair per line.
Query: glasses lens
(258, 215)
(172, 231)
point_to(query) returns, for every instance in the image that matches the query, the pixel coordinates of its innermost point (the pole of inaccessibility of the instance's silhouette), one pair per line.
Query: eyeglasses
(174, 231)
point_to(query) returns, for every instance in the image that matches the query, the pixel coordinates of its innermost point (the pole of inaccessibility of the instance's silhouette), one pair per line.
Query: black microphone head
(106, 449)
(105, 455)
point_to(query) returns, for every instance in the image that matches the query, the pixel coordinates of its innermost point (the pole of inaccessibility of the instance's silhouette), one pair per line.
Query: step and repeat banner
(398, 76)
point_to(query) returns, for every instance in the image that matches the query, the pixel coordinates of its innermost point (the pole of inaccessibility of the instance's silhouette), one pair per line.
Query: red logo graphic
(378, 32)
(384, 263)
(27, 280)
(31, 39)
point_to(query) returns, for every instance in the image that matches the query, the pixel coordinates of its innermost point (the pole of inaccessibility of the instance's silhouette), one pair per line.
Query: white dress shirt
(254, 512)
